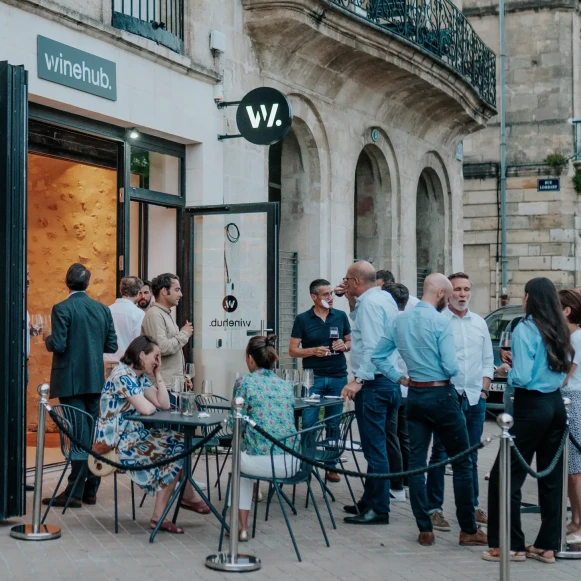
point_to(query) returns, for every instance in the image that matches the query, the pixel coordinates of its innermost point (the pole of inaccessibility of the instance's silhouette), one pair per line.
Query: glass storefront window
(156, 171)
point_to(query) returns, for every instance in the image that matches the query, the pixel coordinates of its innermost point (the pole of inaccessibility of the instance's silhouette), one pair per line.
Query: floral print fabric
(270, 402)
(136, 444)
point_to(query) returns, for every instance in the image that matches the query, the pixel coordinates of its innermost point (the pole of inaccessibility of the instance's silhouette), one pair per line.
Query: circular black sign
(230, 304)
(264, 116)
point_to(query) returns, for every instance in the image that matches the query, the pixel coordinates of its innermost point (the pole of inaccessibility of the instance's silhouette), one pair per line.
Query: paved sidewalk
(90, 550)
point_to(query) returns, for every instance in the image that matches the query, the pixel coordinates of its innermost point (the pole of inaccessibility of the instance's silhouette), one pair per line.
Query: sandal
(167, 526)
(541, 555)
(494, 555)
(200, 507)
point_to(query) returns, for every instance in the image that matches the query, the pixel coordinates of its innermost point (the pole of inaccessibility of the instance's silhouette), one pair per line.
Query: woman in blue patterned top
(269, 401)
(127, 391)
(541, 358)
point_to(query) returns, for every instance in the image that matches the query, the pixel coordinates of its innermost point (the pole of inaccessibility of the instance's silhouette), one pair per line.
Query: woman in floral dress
(127, 391)
(269, 401)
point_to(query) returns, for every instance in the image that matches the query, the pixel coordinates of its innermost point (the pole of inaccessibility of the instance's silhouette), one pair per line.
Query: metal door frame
(271, 209)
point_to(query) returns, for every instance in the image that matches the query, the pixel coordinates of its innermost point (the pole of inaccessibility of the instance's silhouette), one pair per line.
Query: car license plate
(497, 386)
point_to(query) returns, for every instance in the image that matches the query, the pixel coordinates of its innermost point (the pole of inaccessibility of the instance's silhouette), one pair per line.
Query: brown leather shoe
(333, 476)
(427, 539)
(478, 539)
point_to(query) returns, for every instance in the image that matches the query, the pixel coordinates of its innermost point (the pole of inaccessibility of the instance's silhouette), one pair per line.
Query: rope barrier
(538, 475)
(58, 420)
(353, 474)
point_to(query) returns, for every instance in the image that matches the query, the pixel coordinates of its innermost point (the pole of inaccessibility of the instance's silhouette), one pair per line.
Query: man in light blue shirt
(424, 339)
(376, 397)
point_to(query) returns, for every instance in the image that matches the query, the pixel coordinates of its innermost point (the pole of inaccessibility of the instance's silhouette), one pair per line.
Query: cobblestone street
(90, 550)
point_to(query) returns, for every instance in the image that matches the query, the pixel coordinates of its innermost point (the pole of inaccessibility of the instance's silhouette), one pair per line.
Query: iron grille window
(158, 20)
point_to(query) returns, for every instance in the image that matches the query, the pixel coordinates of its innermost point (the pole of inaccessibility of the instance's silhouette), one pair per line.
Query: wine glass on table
(308, 381)
(176, 387)
(190, 373)
(207, 387)
(333, 336)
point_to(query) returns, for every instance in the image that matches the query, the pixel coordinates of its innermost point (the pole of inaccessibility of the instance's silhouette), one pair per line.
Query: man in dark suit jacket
(82, 330)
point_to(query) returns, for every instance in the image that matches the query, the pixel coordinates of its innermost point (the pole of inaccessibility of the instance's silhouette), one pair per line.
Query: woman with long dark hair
(541, 358)
(571, 303)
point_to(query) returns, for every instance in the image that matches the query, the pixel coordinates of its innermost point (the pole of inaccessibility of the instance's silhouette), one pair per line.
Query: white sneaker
(397, 495)
(201, 485)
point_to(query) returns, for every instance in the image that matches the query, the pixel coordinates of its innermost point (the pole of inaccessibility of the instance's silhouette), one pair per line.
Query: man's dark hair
(162, 281)
(130, 286)
(147, 283)
(78, 277)
(459, 275)
(140, 344)
(385, 275)
(317, 284)
(399, 292)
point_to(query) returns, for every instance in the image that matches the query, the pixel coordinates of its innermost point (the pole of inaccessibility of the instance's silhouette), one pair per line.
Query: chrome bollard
(232, 561)
(567, 550)
(505, 421)
(37, 531)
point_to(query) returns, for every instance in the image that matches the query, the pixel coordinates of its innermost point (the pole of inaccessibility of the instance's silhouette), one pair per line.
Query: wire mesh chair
(287, 470)
(223, 439)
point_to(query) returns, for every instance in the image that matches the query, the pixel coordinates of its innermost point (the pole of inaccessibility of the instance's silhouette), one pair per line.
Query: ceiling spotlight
(133, 133)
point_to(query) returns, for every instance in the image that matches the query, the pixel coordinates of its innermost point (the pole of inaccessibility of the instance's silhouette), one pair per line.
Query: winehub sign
(76, 68)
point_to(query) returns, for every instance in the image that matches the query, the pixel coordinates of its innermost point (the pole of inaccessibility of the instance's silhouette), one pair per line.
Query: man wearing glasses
(321, 336)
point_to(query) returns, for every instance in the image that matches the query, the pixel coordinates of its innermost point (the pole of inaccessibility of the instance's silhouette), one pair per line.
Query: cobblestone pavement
(90, 550)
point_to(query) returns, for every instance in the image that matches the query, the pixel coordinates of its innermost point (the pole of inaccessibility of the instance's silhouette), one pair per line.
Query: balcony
(417, 61)
(159, 20)
(438, 27)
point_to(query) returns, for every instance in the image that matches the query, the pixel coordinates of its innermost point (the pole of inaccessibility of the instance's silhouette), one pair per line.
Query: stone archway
(431, 227)
(373, 209)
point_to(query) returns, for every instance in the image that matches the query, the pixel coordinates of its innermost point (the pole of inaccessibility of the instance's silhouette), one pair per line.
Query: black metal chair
(80, 425)
(304, 443)
(223, 439)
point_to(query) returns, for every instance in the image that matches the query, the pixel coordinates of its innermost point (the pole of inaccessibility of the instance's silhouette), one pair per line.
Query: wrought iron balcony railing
(158, 20)
(441, 29)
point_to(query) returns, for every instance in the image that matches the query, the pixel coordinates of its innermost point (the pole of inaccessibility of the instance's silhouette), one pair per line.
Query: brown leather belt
(429, 383)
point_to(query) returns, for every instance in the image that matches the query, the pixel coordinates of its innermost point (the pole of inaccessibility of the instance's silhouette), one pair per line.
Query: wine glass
(291, 376)
(308, 381)
(505, 340)
(333, 336)
(176, 387)
(190, 372)
(36, 327)
(207, 387)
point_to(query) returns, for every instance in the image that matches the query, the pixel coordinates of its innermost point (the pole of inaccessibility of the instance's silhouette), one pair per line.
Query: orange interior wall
(72, 217)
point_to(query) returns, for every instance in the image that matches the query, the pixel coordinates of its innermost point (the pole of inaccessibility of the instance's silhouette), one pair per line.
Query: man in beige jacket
(159, 325)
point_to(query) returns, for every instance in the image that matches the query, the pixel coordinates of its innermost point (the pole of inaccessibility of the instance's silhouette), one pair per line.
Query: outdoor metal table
(187, 425)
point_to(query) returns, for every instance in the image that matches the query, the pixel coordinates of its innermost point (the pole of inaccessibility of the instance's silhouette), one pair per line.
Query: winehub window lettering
(66, 65)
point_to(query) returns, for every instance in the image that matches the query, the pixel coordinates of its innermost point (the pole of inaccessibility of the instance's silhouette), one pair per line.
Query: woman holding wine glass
(541, 355)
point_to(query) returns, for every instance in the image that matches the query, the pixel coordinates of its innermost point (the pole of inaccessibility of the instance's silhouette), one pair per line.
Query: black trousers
(398, 444)
(539, 421)
(88, 483)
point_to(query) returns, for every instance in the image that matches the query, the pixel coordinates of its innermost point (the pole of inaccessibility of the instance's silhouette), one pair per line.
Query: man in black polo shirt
(311, 340)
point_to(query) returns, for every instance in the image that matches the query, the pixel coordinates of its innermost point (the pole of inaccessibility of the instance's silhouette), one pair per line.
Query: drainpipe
(504, 260)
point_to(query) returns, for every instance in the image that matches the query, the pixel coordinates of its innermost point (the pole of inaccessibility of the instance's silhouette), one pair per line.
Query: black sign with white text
(549, 185)
(264, 116)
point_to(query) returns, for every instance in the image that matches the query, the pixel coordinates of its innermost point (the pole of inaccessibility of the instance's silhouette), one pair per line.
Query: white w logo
(255, 117)
(230, 304)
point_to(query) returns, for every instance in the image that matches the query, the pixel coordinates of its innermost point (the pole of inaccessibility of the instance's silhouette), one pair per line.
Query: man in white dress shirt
(476, 370)
(127, 318)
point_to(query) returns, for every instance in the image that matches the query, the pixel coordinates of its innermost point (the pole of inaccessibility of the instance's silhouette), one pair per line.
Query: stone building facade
(542, 98)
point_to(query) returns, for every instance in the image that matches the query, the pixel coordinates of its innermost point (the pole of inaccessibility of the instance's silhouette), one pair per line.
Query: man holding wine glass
(321, 336)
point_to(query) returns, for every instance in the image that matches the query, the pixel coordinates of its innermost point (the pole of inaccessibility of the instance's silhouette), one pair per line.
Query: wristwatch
(485, 392)
(359, 380)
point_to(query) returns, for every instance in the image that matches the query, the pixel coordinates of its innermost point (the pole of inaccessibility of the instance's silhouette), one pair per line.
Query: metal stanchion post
(232, 561)
(505, 421)
(568, 550)
(37, 531)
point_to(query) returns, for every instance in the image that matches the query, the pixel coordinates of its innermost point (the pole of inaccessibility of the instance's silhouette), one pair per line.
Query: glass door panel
(234, 288)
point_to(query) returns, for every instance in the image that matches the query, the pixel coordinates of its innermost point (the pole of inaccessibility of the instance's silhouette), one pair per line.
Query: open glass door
(233, 286)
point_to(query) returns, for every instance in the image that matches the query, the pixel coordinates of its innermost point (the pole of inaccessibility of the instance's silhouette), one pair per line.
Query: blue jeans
(436, 410)
(326, 386)
(474, 415)
(375, 403)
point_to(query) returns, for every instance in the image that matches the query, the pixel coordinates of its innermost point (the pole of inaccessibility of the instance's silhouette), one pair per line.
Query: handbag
(98, 467)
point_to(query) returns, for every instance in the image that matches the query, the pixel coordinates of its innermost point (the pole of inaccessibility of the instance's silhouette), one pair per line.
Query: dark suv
(499, 321)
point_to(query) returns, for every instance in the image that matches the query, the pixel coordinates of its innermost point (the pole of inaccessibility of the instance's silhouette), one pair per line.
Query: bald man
(424, 339)
(377, 398)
